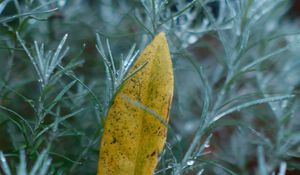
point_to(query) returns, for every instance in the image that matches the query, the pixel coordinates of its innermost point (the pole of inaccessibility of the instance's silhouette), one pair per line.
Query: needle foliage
(235, 108)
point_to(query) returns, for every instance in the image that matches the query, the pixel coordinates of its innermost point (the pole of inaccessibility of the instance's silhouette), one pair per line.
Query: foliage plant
(235, 108)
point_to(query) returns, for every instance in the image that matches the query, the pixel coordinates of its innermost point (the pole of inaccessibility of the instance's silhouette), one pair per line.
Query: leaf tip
(161, 36)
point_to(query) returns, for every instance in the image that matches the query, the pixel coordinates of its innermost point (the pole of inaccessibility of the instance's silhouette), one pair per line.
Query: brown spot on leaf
(113, 141)
(153, 153)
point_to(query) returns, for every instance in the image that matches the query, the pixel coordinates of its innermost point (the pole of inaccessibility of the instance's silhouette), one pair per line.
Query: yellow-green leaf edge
(133, 138)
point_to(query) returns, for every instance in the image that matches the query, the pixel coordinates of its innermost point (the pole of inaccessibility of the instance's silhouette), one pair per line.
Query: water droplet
(256, 17)
(190, 162)
(200, 172)
(190, 126)
(192, 39)
(274, 108)
(97, 107)
(238, 32)
(284, 104)
(32, 21)
(47, 75)
(179, 138)
(61, 3)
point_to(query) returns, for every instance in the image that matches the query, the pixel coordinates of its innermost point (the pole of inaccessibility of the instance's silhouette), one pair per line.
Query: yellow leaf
(133, 138)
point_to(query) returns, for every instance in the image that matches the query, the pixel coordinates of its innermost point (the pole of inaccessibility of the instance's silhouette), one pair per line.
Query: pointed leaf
(133, 138)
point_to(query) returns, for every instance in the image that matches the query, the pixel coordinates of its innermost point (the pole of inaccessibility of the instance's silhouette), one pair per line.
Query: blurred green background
(211, 41)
